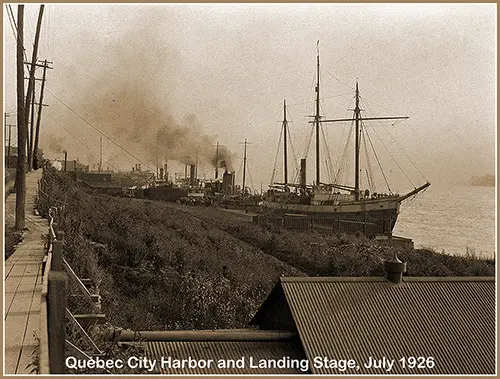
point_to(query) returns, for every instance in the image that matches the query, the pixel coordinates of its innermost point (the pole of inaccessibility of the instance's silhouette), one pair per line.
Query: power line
(99, 131)
(14, 31)
(83, 143)
(11, 22)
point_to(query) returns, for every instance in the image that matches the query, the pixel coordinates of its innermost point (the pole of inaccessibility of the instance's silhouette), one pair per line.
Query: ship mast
(244, 164)
(357, 120)
(217, 161)
(357, 117)
(317, 117)
(285, 122)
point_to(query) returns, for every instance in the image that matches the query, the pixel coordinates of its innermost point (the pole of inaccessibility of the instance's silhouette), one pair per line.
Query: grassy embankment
(161, 266)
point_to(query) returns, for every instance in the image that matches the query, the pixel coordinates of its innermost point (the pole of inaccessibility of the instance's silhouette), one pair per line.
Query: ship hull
(371, 217)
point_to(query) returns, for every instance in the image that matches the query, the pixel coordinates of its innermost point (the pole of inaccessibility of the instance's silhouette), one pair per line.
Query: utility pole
(8, 148)
(21, 125)
(157, 164)
(8, 141)
(37, 133)
(100, 154)
(5, 115)
(30, 134)
(31, 82)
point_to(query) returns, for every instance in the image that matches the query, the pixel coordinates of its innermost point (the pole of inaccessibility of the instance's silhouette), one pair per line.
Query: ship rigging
(335, 202)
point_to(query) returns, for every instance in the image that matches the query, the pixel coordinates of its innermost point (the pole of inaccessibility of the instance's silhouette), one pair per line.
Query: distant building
(71, 165)
(94, 177)
(421, 325)
(11, 161)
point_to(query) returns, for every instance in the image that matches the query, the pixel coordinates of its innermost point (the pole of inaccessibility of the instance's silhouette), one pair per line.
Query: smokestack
(192, 174)
(227, 182)
(161, 173)
(65, 159)
(394, 270)
(303, 173)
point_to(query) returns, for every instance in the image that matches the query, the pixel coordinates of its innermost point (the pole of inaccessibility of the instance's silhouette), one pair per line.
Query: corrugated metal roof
(217, 350)
(449, 319)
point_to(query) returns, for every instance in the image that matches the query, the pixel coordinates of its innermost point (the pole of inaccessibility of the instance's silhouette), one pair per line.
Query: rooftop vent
(394, 269)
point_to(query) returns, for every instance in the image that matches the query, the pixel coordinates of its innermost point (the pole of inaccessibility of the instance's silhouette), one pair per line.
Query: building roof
(247, 347)
(451, 320)
(101, 185)
(248, 353)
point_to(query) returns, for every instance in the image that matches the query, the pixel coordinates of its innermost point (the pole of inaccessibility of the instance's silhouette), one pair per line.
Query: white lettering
(99, 363)
(169, 362)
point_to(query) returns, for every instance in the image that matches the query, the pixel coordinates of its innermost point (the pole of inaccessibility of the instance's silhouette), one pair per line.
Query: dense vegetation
(166, 266)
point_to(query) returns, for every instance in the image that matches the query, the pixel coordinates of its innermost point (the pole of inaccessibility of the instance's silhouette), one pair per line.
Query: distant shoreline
(482, 181)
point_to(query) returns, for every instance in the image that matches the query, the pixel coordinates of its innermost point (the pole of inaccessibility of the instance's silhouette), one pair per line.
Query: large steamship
(339, 206)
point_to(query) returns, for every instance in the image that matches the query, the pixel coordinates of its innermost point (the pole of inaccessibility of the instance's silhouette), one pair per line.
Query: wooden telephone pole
(10, 126)
(31, 82)
(8, 132)
(36, 164)
(100, 154)
(21, 125)
(31, 130)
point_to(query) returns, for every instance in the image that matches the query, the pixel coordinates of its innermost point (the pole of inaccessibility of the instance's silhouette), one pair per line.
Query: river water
(451, 218)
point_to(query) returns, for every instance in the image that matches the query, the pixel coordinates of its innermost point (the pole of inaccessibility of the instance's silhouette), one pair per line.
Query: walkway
(22, 284)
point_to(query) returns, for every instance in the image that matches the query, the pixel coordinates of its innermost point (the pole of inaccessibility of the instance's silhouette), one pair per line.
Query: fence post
(60, 236)
(57, 282)
(57, 248)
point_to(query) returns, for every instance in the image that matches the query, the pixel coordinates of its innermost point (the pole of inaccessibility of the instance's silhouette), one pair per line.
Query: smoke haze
(128, 98)
(167, 81)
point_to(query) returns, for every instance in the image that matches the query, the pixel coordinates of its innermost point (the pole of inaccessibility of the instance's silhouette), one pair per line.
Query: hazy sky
(179, 77)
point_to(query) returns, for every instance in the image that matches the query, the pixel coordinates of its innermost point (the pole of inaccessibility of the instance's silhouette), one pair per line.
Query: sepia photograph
(249, 189)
